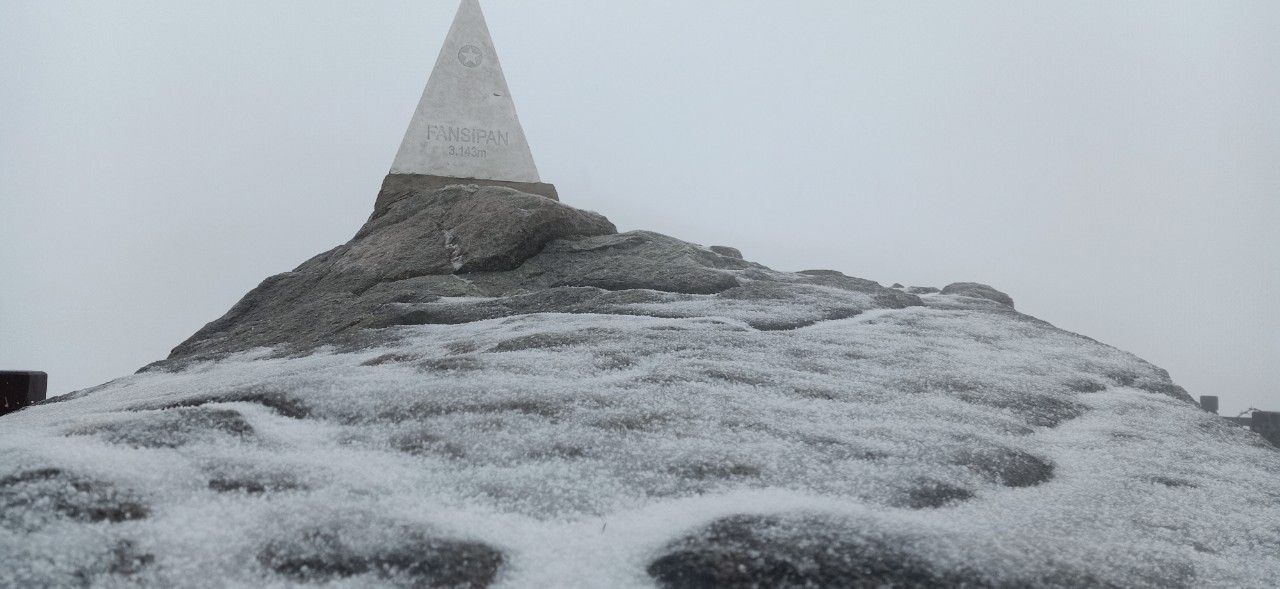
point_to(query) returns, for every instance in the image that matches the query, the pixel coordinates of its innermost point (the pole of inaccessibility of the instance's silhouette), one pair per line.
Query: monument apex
(465, 129)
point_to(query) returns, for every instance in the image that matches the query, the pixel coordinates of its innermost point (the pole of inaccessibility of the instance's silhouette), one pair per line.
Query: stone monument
(465, 129)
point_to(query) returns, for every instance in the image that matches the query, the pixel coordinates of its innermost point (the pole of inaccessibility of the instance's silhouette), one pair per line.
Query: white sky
(1115, 167)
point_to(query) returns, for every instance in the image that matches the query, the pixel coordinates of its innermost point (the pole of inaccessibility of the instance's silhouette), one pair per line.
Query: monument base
(399, 186)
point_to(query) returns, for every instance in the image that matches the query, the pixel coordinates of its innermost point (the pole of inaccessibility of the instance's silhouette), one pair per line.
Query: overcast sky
(1114, 166)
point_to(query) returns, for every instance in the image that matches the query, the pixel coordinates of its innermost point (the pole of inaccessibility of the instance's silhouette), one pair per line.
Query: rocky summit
(490, 388)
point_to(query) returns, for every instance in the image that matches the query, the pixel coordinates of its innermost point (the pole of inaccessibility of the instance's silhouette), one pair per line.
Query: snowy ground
(954, 443)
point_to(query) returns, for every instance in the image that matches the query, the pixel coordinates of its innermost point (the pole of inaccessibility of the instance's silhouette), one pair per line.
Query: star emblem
(471, 56)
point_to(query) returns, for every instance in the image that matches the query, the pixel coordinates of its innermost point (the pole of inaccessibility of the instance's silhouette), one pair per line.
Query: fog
(1115, 167)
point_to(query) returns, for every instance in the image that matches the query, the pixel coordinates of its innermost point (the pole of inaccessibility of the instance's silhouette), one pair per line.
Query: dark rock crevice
(30, 498)
(401, 556)
(761, 551)
(171, 428)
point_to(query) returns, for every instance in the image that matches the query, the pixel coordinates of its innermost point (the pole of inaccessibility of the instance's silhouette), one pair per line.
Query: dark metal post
(20, 389)
(1267, 424)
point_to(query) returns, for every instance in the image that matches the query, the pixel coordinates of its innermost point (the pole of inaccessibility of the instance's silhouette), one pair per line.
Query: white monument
(465, 129)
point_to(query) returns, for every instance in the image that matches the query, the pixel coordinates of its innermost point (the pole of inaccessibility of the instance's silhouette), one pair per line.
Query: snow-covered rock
(725, 250)
(628, 410)
(978, 291)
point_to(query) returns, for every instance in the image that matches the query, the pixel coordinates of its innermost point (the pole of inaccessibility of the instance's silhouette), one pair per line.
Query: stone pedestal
(398, 186)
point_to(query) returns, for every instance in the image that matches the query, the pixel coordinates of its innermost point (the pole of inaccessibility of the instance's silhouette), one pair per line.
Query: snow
(581, 446)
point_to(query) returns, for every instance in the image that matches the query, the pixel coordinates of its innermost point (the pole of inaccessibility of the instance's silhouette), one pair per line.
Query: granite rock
(978, 291)
(456, 230)
(467, 253)
(725, 250)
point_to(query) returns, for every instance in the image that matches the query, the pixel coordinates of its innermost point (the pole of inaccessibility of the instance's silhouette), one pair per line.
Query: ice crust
(577, 450)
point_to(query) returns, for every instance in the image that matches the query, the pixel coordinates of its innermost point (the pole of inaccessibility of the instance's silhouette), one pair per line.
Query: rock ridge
(429, 255)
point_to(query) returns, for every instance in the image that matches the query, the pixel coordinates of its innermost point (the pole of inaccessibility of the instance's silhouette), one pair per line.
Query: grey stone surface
(1011, 468)
(399, 186)
(750, 551)
(170, 429)
(725, 250)
(756, 551)
(635, 260)
(461, 254)
(459, 230)
(454, 230)
(821, 272)
(979, 291)
(933, 494)
(403, 556)
(843, 282)
(763, 305)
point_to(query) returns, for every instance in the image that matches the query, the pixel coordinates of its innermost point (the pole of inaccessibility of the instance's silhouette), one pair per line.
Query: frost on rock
(595, 419)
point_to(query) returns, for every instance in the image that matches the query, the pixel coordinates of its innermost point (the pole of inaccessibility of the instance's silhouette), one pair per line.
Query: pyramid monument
(465, 129)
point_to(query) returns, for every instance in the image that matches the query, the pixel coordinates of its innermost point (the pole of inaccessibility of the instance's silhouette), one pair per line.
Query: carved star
(470, 56)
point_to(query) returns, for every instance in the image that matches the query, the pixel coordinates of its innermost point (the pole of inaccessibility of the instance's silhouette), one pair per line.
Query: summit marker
(465, 129)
